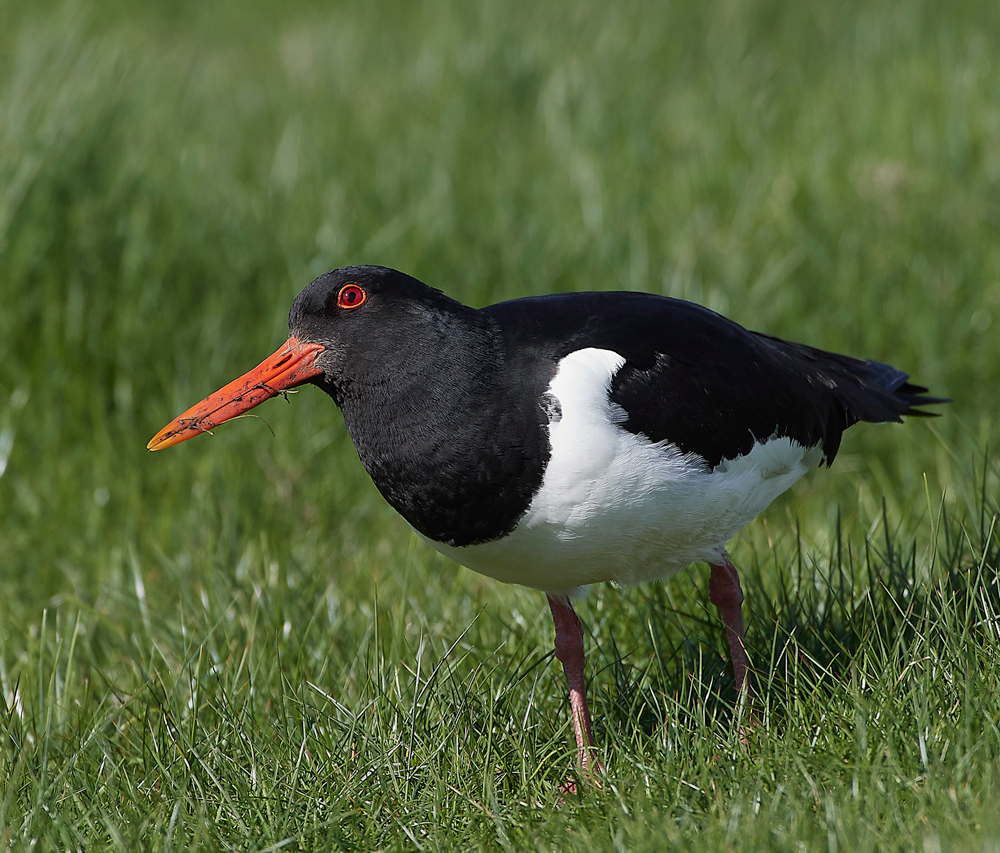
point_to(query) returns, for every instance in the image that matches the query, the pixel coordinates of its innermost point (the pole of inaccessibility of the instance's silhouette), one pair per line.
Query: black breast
(449, 443)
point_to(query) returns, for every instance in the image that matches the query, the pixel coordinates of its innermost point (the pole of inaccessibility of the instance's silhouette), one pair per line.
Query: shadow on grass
(832, 623)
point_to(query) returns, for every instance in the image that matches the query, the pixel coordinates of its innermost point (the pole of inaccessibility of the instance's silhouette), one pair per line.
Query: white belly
(614, 506)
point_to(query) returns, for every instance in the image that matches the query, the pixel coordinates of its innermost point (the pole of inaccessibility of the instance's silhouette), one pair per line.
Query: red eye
(350, 296)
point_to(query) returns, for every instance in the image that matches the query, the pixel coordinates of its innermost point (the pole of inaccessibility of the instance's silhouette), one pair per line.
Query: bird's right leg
(569, 650)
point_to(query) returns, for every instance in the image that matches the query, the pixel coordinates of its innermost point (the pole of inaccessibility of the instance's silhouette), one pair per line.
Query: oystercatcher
(563, 440)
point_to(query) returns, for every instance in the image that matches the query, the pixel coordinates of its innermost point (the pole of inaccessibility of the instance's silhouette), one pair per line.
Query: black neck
(440, 431)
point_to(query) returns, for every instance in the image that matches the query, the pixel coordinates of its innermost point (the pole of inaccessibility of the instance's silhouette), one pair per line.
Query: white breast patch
(615, 506)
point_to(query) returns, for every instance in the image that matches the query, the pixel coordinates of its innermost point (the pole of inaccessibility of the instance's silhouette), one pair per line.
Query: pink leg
(569, 650)
(725, 593)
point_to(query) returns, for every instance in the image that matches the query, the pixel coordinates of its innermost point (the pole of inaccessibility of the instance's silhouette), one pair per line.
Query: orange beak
(293, 364)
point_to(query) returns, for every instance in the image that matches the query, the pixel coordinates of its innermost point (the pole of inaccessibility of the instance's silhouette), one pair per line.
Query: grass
(236, 645)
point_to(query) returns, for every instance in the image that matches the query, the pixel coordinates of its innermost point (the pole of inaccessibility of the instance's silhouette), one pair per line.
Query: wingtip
(918, 400)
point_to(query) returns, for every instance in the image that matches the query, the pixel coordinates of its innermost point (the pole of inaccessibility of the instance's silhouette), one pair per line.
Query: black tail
(904, 394)
(852, 390)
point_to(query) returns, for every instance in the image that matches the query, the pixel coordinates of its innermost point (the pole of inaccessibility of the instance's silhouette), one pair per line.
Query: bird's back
(698, 380)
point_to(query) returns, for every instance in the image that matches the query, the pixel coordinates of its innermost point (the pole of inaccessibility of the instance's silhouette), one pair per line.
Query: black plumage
(447, 406)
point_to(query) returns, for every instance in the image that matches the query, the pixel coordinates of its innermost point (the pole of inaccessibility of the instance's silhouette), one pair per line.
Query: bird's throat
(448, 447)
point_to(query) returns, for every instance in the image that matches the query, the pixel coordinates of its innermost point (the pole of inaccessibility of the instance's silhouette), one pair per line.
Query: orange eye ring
(351, 296)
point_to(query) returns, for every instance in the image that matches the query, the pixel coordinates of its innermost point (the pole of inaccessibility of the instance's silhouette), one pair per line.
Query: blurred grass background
(171, 174)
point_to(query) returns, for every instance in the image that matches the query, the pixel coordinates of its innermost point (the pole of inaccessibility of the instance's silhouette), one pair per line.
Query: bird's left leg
(724, 592)
(569, 650)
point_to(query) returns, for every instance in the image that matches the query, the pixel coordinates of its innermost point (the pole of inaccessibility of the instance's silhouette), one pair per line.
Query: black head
(368, 336)
(373, 322)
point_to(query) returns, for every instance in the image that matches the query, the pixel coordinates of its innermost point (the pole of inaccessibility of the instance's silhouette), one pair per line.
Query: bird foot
(591, 771)
(748, 719)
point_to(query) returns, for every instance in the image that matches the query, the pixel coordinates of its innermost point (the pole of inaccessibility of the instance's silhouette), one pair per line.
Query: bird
(566, 440)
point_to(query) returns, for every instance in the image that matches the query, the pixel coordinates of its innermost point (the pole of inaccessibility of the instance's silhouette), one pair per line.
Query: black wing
(702, 382)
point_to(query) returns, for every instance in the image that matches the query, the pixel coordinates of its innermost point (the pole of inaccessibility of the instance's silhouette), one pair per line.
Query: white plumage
(615, 506)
